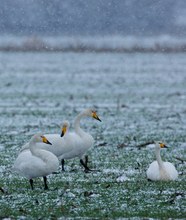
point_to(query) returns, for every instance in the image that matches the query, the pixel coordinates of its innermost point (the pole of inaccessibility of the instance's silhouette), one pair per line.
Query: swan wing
(153, 172)
(74, 146)
(57, 148)
(62, 145)
(71, 145)
(171, 170)
(28, 165)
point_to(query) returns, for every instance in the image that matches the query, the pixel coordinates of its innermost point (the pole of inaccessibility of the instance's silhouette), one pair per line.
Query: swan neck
(32, 147)
(77, 123)
(31, 144)
(35, 151)
(158, 157)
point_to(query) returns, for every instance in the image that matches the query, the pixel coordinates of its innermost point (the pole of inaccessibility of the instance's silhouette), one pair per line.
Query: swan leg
(31, 183)
(45, 182)
(86, 159)
(87, 169)
(62, 164)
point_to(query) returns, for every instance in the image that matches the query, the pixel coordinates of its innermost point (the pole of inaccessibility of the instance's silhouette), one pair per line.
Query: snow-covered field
(139, 97)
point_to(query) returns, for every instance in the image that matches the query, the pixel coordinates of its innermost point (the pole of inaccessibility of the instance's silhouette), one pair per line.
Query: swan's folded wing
(171, 170)
(153, 171)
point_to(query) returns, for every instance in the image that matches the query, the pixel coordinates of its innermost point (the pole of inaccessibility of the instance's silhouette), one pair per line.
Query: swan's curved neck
(158, 157)
(36, 151)
(77, 128)
(32, 147)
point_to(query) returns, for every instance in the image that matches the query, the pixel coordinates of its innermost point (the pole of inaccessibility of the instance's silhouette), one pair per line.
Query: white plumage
(55, 139)
(72, 144)
(34, 162)
(160, 170)
(78, 142)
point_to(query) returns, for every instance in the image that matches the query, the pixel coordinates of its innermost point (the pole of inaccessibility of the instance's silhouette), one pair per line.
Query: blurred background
(100, 25)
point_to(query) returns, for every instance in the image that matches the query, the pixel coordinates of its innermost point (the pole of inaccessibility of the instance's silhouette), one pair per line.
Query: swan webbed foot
(45, 183)
(87, 169)
(55, 172)
(90, 170)
(149, 180)
(62, 165)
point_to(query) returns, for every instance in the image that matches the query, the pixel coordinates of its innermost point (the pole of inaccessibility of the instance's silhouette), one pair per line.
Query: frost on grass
(122, 178)
(139, 97)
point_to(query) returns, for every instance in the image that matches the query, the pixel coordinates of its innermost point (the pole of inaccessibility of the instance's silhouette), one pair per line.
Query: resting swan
(160, 170)
(35, 162)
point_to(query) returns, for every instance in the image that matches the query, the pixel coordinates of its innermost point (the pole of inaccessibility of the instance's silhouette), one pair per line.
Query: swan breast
(167, 172)
(31, 166)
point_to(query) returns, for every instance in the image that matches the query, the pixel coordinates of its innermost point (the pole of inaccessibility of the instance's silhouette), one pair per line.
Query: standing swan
(78, 142)
(71, 144)
(159, 170)
(35, 162)
(55, 139)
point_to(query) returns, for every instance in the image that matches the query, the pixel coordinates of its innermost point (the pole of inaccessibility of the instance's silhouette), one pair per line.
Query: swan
(58, 142)
(55, 139)
(71, 144)
(35, 162)
(79, 141)
(160, 170)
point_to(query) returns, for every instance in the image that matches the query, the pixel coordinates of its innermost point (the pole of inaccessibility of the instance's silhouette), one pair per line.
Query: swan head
(64, 128)
(91, 113)
(39, 138)
(160, 144)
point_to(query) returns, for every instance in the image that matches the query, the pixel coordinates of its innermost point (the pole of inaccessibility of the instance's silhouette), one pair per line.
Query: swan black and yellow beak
(63, 131)
(95, 116)
(162, 145)
(45, 140)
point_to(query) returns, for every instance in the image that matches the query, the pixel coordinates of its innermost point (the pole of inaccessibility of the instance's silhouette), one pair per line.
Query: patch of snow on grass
(2, 147)
(116, 171)
(122, 178)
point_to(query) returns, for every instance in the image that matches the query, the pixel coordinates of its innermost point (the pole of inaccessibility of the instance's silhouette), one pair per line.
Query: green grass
(135, 107)
(97, 194)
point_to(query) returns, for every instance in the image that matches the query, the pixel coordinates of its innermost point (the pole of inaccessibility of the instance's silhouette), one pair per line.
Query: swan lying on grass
(160, 170)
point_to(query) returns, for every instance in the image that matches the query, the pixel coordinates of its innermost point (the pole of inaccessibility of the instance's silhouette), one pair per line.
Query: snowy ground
(139, 97)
